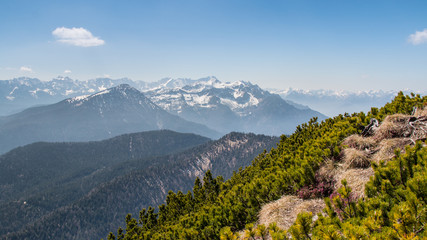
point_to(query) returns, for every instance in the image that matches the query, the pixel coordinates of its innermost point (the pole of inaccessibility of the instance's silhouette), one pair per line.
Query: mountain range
(206, 106)
(332, 103)
(238, 106)
(20, 93)
(108, 113)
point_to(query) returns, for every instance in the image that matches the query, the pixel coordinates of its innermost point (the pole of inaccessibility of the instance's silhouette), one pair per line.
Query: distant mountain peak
(61, 78)
(231, 106)
(209, 93)
(124, 87)
(114, 94)
(171, 83)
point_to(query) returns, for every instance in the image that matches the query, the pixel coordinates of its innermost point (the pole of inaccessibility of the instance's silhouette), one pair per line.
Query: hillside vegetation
(394, 205)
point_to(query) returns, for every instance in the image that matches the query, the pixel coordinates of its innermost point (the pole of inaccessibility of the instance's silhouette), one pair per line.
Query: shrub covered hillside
(395, 201)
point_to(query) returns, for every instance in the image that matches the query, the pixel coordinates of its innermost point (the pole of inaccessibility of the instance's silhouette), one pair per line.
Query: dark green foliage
(48, 164)
(41, 177)
(283, 170)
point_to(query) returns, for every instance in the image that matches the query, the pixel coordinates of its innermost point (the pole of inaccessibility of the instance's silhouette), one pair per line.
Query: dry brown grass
(285, 210)
(387, 146)
(359, 142)
(356, 180)
(393, 126)
(327, 169)
(421, 112)
(354, 158)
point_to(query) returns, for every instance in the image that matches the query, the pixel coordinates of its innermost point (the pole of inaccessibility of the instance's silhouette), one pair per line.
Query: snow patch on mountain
(13, 90)
(207, 93)
(102, 88)
(235, 106)
(196, 100)
(101, 93)
(68, 92)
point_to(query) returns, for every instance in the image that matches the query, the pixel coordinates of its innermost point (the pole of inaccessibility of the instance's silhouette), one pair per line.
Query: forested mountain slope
(32, 168)
(219, 208)
(105, 206)
(41, 177)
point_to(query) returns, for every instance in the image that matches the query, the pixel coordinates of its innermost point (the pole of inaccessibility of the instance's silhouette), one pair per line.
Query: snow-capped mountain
(225, 107)
(20, 93)
(331, 102)
(60, 86)
(108, 113)
(173, 82)
(208, 93)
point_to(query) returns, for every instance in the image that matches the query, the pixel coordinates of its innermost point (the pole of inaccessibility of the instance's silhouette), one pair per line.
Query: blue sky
(351, 45)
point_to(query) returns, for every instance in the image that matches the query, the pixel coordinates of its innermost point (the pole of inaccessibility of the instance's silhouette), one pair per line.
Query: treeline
(215, 206)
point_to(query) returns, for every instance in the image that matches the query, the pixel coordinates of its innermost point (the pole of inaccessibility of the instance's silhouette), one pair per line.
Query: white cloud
(67, 71)
(418, 37)
(25, 69)
(77, 37)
